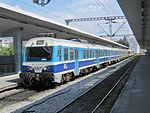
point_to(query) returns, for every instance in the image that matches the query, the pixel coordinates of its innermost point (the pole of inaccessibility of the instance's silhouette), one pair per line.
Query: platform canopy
(137, 13)
(32, 24)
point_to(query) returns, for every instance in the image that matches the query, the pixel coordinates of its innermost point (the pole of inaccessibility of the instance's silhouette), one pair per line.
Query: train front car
(37, 61)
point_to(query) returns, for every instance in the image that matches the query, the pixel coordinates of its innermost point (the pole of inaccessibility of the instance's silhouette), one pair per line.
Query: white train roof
(47, 41)
(32, 24)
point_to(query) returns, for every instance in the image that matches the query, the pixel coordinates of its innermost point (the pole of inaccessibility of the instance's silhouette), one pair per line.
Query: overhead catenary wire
(69, 10)
(103, 6)
(46, 12)
(107, 11)
(111, 7)
(118, 29)
(103, 29)
(109, 4)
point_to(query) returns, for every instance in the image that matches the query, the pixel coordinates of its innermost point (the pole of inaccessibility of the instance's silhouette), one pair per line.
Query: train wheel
(72, 76)
(82, 72)
(68, 77)
(63, 79)
(49, 83)
(28, 81)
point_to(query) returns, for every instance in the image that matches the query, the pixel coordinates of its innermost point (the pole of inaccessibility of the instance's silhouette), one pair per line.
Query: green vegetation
(124, 42)
(6, 51)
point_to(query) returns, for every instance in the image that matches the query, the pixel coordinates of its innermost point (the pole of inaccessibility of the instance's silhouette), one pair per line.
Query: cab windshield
(39, 53)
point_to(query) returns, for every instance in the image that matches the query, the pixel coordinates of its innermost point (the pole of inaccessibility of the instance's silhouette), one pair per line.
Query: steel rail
(107, 95)
(79, 96)
(61, 109)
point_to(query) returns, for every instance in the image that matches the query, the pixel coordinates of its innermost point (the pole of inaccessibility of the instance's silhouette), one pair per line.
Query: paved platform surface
(9, 81)
(135, 97)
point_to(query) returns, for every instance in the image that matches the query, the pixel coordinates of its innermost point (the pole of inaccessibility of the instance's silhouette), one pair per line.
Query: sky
(59, 10)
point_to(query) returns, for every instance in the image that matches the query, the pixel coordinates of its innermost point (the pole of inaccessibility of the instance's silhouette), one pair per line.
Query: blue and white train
(50, 60)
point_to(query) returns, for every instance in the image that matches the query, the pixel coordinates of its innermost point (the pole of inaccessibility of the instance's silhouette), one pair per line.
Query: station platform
(135, 97)
(9, 81)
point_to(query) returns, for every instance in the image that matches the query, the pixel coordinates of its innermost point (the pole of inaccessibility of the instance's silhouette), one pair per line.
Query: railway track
(15, 96)
(101, 98)
(19, 94)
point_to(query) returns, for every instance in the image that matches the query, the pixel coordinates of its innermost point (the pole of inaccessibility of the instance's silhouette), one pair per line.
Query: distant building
(6, 42)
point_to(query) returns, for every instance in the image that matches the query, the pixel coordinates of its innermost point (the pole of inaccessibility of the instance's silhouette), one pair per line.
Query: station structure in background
(139, 19)
(22, 26)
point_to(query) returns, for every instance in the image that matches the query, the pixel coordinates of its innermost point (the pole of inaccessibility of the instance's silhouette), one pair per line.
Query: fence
(6, 70)
(7, 65)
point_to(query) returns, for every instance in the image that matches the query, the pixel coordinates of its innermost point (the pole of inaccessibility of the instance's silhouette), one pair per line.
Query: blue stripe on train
(63, 67)
(71, 65)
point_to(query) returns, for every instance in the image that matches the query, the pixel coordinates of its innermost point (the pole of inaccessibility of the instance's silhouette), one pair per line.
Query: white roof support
(137, 13)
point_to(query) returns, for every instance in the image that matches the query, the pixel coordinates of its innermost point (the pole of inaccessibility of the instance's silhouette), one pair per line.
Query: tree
(6, 51)
(123, 41)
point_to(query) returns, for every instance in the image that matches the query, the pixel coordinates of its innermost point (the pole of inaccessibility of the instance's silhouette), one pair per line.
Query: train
(51, 60)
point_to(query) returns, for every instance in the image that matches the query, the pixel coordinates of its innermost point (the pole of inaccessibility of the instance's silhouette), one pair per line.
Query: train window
(100, 53)
(76, 54)
(43, 54)
(97, 53)
(40, 42)
(103, 52)
(87, 53)
(71, 54)
(66, 54)
(84, 54)
(91, 53)
(107, 52)
(60, 54)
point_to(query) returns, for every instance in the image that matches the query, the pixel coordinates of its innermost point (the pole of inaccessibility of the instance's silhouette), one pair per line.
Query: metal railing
(7, 69)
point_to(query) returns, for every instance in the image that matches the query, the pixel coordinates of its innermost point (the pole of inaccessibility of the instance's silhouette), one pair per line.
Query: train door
(104, 55)
(97, 58)
(76, 62)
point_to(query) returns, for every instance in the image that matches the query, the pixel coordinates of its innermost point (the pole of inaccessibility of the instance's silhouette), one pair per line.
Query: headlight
(45, 68)
(29, 68)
